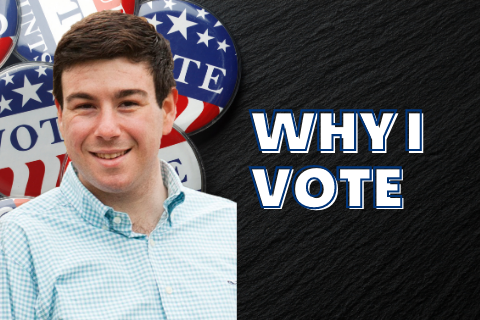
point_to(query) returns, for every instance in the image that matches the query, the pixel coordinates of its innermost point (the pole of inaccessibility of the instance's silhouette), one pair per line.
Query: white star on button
(169, 4)
(202, 13)
(41, 71)
(5, 104)
(154, 22)
(151, 242)
(117, 220)
(28, 91)
(223, 45)
(180, 24)
(8, 79)
(169, 290)
(204, 37)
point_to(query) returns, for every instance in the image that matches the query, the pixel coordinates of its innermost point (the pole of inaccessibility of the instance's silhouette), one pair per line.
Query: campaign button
(180, 152)
(44, 22)
(32, 152)
(9, 17)
(207, 67)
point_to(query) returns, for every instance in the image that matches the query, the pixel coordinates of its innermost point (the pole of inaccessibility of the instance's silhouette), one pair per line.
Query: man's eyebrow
(118, 95)
(130, 92)
(79, 95)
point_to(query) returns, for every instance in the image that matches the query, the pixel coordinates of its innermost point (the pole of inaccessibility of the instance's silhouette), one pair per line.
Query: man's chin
(109, 185)
(114, 188)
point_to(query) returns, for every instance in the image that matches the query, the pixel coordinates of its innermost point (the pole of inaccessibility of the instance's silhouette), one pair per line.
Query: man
(121, 238)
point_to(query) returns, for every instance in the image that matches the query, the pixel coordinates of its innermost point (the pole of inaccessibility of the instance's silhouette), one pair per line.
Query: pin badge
(9, 28)
(180, 152)
(44, 22)
(32, 152)
(207, 67)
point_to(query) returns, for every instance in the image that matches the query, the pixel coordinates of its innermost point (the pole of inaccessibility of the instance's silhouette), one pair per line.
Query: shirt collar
(176, 195)
(96, 213)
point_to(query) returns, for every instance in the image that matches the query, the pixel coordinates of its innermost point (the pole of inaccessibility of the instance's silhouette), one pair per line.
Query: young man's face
(112, 124)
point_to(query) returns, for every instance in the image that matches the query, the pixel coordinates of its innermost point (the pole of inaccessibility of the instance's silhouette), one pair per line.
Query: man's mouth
(109, 156)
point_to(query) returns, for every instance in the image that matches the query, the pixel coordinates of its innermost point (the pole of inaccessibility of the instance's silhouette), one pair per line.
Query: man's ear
(59, 115)
(169, 109)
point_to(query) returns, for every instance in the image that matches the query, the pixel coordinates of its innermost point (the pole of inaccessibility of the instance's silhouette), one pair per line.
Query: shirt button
(169, 290)
(117, 220)
(105, 227)
(151, 242)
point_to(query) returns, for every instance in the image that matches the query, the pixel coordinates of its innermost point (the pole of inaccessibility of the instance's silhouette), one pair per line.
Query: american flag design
(43, 23)
(31, 148)
(8, 28)
(32, 153)
(207, 68)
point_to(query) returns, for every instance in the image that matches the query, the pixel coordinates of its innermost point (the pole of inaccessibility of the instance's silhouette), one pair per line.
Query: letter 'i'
(414, 130)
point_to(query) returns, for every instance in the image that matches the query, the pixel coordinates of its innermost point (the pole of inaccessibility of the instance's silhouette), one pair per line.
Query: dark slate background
(417, 263)
(421, 262)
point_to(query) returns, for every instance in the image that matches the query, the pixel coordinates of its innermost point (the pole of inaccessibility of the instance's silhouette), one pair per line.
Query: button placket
(162, 283)
(151, 242)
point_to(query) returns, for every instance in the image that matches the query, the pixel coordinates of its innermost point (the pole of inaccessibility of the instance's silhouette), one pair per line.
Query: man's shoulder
(26, 227)
(205, 209)
(209, 202)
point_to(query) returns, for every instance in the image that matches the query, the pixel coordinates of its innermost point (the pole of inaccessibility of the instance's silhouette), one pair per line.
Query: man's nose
(108, 126)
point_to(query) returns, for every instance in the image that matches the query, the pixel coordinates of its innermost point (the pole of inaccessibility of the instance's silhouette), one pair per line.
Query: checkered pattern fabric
(65, 255)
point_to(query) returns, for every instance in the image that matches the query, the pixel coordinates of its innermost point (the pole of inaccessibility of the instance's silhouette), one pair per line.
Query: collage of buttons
(33, 157)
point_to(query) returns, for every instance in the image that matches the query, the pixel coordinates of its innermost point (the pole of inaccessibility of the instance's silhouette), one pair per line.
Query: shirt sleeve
(18, 289)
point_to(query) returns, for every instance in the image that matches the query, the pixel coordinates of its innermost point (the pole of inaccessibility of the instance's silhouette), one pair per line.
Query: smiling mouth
(110, 156)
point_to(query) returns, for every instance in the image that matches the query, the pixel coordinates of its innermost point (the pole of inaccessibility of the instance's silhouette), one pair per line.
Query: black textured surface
(417, 263)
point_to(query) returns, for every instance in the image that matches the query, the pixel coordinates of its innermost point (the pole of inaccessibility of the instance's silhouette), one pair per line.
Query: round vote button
(180, 152)
(9, 17)
(207, 68)
(43, 23)
(32, 153)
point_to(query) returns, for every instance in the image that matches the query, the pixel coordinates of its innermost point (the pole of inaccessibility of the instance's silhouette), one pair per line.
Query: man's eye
(85, 106)
(128, 104)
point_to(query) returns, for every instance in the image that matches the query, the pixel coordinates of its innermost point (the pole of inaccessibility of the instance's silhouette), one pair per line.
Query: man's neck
(144, 205)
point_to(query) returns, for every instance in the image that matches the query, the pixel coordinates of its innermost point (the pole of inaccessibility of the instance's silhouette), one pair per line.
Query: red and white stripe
(29, 179)
(127, 6)
(193, 114)
(5, 46)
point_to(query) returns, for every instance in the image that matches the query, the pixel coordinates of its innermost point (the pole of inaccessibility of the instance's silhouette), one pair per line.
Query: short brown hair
(112, 34)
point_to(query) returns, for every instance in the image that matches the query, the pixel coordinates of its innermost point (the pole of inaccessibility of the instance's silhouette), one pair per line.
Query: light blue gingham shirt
(65, 255)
